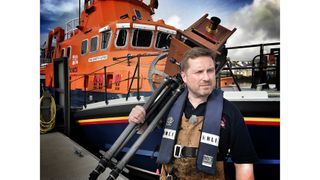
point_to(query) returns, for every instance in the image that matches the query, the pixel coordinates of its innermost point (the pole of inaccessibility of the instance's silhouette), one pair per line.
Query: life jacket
(209, 139)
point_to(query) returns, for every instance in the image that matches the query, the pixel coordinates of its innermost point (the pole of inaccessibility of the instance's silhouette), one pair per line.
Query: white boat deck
(251, 95)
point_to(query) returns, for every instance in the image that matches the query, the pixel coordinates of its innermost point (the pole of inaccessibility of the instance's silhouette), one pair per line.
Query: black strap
(184, 151)
(189, 152)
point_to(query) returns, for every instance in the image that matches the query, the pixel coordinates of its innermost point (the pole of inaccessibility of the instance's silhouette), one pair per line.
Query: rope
(47, 113)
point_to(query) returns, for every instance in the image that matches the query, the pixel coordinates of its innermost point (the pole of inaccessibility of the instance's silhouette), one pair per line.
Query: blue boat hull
(95, 137)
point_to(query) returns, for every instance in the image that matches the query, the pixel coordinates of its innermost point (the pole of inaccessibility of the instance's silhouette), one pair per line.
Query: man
(202, 129)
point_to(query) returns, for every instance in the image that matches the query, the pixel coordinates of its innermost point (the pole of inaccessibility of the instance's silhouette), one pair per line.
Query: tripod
(165, 96)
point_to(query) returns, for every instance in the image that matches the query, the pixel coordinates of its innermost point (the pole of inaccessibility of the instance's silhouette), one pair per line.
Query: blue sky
(257, 21)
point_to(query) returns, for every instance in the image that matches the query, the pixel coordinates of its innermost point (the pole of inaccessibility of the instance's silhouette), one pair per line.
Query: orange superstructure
(116, 48)
(109, 30)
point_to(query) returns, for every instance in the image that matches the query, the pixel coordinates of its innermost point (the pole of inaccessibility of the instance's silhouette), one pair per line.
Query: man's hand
(137, 115)
(244, 171)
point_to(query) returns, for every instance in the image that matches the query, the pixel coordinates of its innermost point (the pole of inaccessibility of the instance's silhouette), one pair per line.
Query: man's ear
(183, 75)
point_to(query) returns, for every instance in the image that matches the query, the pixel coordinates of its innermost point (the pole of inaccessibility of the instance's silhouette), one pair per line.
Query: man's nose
(205, 76)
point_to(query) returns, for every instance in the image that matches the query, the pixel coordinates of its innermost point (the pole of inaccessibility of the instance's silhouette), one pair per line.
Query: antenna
(79, 11)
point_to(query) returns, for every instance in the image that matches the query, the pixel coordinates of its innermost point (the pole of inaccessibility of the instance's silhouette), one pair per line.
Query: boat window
(62, 53)
(141, 38)
(51, 54)
(105, 39)
(138, 14)
(84, 47)
(94, 44)
(163, 40)
(121, 38)
(68, 52)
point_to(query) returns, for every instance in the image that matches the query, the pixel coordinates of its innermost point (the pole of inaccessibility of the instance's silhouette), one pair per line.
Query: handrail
(127, 58)
(71, 26)
(105, 81)
(233, 76)
(137, 68)
(261, 66)
(133, 76)
(96, 70)
(254, 45)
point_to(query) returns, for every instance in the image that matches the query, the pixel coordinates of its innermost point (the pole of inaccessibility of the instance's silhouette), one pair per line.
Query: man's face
(200, 76)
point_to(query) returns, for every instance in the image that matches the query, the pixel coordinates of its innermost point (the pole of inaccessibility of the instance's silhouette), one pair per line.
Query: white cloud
(174, 21)
(58, 7)
(256, 23)
(182, 13)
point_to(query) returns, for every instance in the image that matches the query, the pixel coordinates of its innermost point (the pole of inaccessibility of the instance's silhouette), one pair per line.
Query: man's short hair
(195, 53)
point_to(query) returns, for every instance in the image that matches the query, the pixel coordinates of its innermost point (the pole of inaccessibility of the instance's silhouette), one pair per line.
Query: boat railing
(43, 59)
(71, 26)
(85, 78)
(136, 70)
(135, 76)
(258, 67)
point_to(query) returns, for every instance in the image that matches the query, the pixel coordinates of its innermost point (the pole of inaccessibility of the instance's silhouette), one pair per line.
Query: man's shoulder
(227, 105)
(230, 110)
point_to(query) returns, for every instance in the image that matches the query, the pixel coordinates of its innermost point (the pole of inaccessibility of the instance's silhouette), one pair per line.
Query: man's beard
(203, 93)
